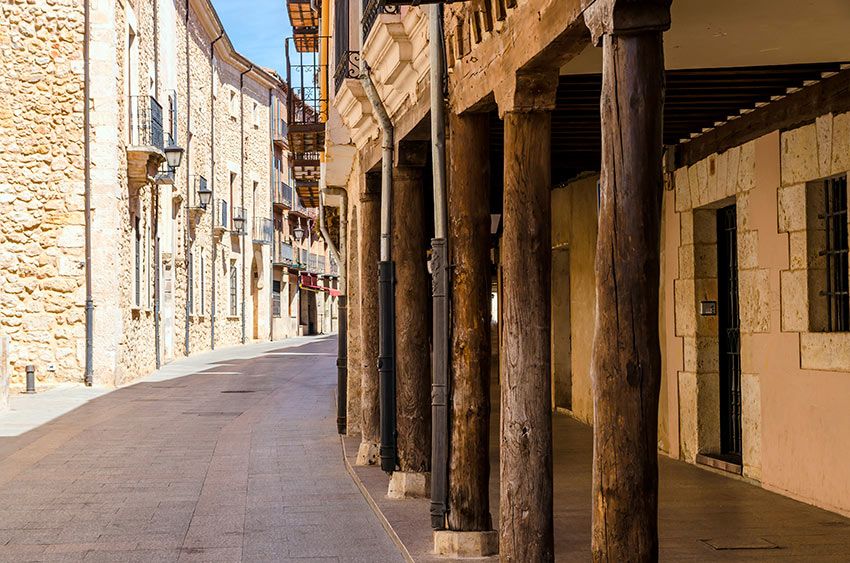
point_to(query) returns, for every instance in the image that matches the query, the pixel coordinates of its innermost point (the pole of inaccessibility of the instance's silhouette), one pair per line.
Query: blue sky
(257, 29)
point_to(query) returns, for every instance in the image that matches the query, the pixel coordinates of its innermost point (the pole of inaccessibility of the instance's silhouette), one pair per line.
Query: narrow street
(237, 462)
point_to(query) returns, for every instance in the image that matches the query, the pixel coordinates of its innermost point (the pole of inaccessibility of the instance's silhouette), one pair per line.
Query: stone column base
(409, 485)
(466, 544)
(368, 454)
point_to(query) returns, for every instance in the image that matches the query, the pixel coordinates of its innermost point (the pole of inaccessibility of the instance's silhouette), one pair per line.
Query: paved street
(238, 461)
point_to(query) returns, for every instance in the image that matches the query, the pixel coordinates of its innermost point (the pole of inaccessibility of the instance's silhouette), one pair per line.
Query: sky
(257, 29)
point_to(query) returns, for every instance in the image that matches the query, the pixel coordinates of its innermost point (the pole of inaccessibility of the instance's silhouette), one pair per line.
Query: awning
(310, 282)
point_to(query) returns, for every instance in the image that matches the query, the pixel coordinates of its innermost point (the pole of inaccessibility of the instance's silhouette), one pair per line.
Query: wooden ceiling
(696, 101)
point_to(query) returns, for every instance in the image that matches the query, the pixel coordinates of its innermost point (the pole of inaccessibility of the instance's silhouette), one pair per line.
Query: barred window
(828, 272)
(233, 291)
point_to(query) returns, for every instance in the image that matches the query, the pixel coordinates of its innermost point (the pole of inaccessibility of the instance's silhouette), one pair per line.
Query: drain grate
(239, 391)
(730, 544)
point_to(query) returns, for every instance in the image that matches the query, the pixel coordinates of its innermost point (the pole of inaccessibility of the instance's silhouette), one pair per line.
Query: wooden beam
(526, 527)
(469, 237)
(831, 95)
(412, 302)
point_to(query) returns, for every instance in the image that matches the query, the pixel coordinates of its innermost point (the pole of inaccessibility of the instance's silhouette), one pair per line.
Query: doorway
(729, 332)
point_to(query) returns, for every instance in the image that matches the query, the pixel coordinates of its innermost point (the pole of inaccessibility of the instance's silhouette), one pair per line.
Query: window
(256, 115)
(191, 283)
(172, 116)
(827, 240)
(203, 283)
(234, 104)
(234, 281)
(276, 298)
(137, 256)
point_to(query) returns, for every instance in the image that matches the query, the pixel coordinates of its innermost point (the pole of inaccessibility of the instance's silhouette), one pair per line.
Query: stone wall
(792, 378)
(42, 274)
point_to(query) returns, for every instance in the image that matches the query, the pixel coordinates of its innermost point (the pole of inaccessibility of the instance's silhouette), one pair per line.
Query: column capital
(528, 91)
(623, 17)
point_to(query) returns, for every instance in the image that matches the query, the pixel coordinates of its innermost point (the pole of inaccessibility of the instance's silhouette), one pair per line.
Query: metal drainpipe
(242, 188)
(440, 282)
(341, 255)
(386, 283)
(155, 202)
(186, 239)
(214, 249)
(89, 369)
(271, 206)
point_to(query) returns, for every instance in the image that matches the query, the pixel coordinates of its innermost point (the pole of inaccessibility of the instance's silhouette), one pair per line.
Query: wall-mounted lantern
(204, 193)
(174, 155)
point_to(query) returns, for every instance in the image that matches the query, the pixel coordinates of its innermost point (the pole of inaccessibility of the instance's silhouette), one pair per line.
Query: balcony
(279, 135)
(347, 66)
(220, 219)
(263, 230)
(371, 10)
(282, 195)
(283, 254)
(146, 140)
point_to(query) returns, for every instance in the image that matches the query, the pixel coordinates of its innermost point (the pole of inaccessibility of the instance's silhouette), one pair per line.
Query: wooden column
(469, 240)
(626, 363)
(355, 412)
(413, 313)
(370, 220)
(525, 495)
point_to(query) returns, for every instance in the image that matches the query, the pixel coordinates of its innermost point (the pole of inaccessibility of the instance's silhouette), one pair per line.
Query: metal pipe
(89, 370)
(386, 284)
(272, 124)
(242, 187)
(340, 256)
(155, 204)
(214, 249)
(440, 282)
(186, 238)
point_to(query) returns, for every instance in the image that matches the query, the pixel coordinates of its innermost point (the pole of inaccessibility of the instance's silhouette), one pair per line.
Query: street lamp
(298, 232)
(204, 193)
(174, 155)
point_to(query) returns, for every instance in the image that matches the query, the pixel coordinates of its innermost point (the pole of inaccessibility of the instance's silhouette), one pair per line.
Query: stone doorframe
(715, 182)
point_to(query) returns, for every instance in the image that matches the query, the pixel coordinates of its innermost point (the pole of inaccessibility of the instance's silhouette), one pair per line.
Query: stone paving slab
(232, 456)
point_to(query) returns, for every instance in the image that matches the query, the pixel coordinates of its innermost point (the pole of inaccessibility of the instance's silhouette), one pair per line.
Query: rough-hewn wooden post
(469, 240)
(412, 298)
(525, 496)
(355, 412)
(370, 220)
(626, 364)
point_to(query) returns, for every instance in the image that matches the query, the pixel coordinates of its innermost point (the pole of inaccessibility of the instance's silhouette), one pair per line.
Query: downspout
(155, 202)
(272, 118)
(242, 188)
(186, 238)
(89, 369)
(214, 249)
(386, 283)
(440, 280)
(340, 256)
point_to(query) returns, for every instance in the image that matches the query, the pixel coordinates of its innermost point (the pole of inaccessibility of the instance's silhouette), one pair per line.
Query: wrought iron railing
(347, 66)
(221, 214)
(283, 253)
(312, 262)
(307, 100)
(283, 194)
(321, 264)
(263, 230)
(146, 122)
(371, 10)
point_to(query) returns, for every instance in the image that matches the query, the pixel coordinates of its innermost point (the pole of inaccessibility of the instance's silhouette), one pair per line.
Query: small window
(234, 104)
(137, 256)
(256, 115)
(203, 284)
(234, 281)
(827, 240)
(191, 283)
(276, 298)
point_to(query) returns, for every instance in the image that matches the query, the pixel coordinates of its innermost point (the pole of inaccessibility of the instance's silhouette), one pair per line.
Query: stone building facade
(168, 276)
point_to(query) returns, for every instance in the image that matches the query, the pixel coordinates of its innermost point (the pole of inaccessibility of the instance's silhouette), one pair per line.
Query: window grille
(191, 283)
(137, 275)
(833, 218)
(233, 290)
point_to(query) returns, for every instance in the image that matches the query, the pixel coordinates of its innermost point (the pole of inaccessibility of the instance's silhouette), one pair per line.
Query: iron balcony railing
(263, 230)
(321, 265)
(221, 215)
(334, 267)
(146, 122)
(307, 100)
(304, 260)
(371, 10)
(347, 66)
(283, 253)
(312, 262)
(283, 194)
